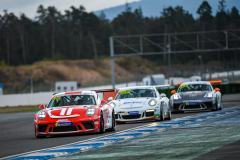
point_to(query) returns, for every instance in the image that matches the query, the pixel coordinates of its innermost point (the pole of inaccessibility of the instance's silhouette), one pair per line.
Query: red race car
(74, 112)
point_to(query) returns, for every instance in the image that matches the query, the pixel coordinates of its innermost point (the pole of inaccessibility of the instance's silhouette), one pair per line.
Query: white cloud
(29, 7)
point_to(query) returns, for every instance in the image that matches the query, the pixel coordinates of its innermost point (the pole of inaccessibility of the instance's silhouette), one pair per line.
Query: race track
(17, 132)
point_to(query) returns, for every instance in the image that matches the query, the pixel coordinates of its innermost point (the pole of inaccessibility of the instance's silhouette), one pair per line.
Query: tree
(91, 23)
(222, 18)
(77, 24)
(205, 12)
(49, 17)
(235, 17)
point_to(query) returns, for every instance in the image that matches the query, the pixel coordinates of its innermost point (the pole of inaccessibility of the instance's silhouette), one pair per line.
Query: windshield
(134, 93)
(72, 100)
(194, 87)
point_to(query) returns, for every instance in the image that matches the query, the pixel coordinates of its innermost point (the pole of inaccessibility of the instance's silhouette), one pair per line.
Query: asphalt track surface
(17, 131)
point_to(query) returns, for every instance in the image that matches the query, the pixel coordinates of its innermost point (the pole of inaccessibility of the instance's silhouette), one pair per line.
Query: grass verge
(16, 109)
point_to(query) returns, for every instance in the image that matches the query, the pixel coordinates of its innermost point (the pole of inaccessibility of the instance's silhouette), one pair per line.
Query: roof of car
(136, 87)
(73, 92)
(196, 82)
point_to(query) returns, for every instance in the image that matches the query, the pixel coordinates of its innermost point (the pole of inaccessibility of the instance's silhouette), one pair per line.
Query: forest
(77, 34)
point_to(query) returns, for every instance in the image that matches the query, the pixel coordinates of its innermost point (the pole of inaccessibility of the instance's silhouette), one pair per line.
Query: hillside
(88, 72)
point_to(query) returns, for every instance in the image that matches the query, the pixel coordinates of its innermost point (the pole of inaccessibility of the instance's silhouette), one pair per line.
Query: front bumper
(78, 126)
(125, 115)
(185, 106)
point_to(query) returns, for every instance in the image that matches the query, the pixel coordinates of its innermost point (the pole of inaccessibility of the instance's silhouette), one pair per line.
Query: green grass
(16, 109)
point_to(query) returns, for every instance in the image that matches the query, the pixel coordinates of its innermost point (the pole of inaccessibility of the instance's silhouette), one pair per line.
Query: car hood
(67, 111)
(132, 102)
(192, 95)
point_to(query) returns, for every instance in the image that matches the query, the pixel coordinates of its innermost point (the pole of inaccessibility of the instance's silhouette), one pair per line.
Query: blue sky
(110, 7)
(154, 7)
(29, 7)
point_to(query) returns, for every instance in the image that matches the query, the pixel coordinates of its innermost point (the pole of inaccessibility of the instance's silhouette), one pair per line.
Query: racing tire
(161, 115)
(170, 116)
(221, 105)
(113, 123)
(216, 106)
(102, 127)
(39, 136)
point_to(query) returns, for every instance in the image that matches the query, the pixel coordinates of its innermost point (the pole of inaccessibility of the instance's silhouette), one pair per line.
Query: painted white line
(44, 154)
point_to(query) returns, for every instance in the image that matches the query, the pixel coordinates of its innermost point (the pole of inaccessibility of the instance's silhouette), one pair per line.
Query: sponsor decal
(64, 124)
(56, 98)
(183, 86)
(132, 102)
(125, 92)
(63, 120)
(191, 103)
(133, 112)
(193, 95)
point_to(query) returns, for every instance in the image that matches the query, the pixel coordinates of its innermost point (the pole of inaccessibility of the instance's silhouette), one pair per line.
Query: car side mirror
(173, 92)
(217, 89)
(110, 98)
(103, 102)
(162, 95)
(42, 106)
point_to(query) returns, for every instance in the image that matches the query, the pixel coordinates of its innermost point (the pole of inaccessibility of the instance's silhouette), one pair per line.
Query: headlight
(90, 112)
(41, 115)
(209, 95)
(112, 104)
(152, 102)
(176, 96)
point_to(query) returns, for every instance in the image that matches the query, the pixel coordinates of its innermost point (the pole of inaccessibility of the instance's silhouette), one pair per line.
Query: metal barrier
(231, 88)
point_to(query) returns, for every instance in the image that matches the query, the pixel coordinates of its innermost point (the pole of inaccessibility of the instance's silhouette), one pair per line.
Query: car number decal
(63, 111)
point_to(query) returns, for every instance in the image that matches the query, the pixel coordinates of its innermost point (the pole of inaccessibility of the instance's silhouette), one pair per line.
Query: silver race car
(140, 103)
(198, 95)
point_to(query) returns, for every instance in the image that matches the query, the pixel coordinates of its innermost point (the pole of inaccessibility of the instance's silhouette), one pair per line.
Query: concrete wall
(44, 97)
(25, 99)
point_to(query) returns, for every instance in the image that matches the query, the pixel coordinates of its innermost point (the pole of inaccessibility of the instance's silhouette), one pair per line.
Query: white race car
(140, 103)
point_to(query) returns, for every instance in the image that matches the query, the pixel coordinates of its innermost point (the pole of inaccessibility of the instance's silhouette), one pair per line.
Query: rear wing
(104, 90)
(218, 81)
(212, 82)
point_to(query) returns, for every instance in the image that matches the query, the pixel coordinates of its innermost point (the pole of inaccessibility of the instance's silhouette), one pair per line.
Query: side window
(158, 94)
(98, 100)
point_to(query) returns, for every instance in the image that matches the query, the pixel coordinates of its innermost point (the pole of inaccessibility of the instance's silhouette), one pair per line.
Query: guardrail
(231, 88)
